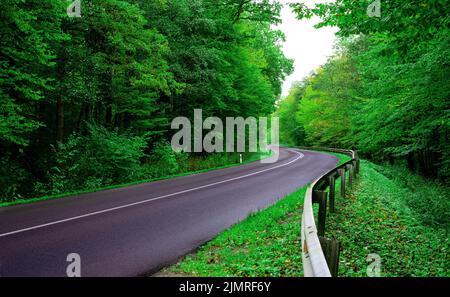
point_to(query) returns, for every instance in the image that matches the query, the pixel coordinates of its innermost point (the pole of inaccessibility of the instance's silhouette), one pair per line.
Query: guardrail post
(332, 191)
(320, 197)
(350, 176)
(357, 166)
(331, 249)
(355, 169)
(342, 173)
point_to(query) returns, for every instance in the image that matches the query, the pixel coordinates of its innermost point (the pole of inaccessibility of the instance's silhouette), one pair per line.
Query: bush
(164, 156)
(100, 158)
(163, 162)
(12, 178)
(430, 201)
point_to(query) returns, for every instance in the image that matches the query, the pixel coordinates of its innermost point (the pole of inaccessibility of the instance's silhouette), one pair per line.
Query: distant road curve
(139, 229)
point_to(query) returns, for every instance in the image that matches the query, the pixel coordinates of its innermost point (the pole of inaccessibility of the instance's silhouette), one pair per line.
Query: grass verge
(268, 243)
(253, 158)
(385, 216)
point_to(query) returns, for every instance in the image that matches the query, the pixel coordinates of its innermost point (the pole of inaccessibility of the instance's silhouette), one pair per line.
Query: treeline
(386, 90)
(84, 102)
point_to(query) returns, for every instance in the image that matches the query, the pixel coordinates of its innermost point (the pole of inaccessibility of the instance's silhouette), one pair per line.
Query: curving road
(140, 229)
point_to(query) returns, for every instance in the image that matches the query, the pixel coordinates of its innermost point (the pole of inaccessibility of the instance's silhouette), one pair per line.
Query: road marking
(300, 156)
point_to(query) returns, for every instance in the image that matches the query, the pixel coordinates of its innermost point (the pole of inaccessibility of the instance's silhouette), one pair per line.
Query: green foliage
(291, 132)
(163, 162)
(12, 174)
(100, 158)
(386, 90)
(235, 67)
(26, 58)
(428, 201)
(406, 21)
(408, 104)
(129, 67)
(385, 216)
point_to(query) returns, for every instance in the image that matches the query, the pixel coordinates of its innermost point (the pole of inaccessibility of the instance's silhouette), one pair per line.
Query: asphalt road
(140, 229)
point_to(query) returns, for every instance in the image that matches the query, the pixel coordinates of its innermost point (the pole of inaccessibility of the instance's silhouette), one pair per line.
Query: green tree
(27, 30)
(398, 89)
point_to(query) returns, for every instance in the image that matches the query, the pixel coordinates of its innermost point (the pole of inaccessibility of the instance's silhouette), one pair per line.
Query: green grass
(384, 216)
(253, 158)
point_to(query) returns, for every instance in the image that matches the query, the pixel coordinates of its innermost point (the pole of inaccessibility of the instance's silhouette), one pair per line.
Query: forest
(86, 102)
(386, 90)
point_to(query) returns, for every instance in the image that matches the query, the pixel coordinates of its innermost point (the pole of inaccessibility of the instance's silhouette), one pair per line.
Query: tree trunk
(109, 116)
(60, 120)
(60, 101)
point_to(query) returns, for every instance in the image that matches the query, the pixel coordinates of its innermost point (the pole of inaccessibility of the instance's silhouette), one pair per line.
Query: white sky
(309, 47)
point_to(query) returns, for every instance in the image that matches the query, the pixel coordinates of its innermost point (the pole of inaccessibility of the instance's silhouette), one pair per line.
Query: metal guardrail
(320, 254)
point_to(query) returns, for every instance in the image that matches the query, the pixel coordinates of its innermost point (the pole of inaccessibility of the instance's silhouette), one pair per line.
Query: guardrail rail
(320, 254)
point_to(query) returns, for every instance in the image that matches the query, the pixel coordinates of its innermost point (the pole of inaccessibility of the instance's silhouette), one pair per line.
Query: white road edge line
(300, 156)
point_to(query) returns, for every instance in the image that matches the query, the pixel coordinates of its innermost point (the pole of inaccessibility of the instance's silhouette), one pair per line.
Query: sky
(309, 47)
